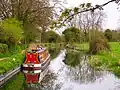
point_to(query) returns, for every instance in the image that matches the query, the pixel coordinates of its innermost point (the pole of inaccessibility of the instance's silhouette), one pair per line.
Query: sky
(111, 11)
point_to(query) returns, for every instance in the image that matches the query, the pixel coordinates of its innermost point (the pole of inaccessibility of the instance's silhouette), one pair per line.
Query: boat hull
(42, 66)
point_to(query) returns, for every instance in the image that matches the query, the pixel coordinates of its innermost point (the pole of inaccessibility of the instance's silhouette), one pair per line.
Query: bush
(51, 37)
(11, 31)
(11, 62)
(73, 35)
(98, 44)
(3, 48)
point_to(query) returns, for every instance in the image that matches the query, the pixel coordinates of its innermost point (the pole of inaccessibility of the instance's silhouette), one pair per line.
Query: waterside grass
(107, 60)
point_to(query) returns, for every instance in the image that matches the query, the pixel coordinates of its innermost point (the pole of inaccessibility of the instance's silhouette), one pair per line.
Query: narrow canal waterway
(64, 74)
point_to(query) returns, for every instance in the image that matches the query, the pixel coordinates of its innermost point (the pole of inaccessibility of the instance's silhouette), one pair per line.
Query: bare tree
(37, 12)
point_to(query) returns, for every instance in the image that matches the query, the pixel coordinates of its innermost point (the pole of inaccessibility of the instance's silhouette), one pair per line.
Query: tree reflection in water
(72, 72)
(79, 70)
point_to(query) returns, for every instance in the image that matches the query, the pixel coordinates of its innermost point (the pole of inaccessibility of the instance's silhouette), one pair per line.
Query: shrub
(11, 31)
(11, 62)
(3, 48)
(98, 44)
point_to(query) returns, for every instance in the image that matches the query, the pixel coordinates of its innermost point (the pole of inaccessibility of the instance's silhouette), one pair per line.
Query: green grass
(108, 60)
(17, 83)
(13, 50)
(11, 62)
(84, 46)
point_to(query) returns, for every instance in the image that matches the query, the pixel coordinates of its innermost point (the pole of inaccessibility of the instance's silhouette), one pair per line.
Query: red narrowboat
(36, 59)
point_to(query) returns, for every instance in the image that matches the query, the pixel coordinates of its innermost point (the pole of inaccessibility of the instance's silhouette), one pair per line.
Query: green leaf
(82, 5)
(76, 9)
(88, 5)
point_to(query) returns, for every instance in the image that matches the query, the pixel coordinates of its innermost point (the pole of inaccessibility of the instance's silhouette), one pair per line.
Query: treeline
(20, 21)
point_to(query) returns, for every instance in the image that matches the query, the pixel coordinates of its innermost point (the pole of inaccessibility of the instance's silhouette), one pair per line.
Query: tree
(37, 12)
(33, 13)
(98, 44)
(51, 36)
(108, 34)
(73, 35)
(11, 31)
(89, 21)
(69, 13)
(115, 35)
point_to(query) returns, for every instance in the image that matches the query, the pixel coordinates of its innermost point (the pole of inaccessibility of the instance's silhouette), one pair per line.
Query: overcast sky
(113, 14)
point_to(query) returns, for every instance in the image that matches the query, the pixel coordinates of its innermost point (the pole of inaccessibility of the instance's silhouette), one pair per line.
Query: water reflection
(80, 75)
(64, 74)
(70, 71)
(80, 71)
(54, 51)
(33, 81)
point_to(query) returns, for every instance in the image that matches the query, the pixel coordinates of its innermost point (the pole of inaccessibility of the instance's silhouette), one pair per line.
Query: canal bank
(5, 77)
(7, 66)
(63, 76)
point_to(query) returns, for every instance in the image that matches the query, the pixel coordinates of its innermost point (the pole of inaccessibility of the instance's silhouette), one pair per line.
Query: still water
(68, 71)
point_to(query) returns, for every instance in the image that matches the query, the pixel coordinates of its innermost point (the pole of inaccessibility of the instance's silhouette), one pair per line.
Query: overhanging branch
(91, 9)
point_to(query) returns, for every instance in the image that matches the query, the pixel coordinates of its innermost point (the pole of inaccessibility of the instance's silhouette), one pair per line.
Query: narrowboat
(37, 59)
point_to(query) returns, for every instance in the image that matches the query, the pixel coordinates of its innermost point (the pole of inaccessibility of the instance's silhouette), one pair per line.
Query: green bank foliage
(112, 35)
(11, 62)
(11, 31)
(3, 48)
(53, 48)
(51, 37)
(98, 45)
(16, 84)
(73, 35)
(73, 58)
(108, 60)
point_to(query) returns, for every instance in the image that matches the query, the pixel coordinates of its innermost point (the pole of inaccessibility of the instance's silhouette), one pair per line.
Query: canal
(68, 71)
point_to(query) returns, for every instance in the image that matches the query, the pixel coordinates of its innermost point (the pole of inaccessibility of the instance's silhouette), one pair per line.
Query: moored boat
(36, 59)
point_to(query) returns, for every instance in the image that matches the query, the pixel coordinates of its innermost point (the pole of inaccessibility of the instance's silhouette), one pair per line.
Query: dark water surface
(69, 71)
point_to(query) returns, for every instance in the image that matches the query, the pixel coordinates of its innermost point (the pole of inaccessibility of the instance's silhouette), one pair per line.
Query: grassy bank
(108, 60)
(17, 83)
(16, 58)
(84, 46)
(12, 51)
(11, 62)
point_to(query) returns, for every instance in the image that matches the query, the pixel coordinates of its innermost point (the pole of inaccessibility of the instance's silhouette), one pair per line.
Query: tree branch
(91, 9)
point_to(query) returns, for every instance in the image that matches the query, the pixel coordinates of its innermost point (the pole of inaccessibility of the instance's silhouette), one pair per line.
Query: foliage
(115, 36)
(36, 12)
(108, 34)
(51, 37)
(73, 35)
(108, 60)
(3, 48)
(82, 47)
(68, 14)
(11, 32)
(18, 82)
(32, 13)
(112, 35)
(30, 33)
(73, 58)
(98, 45)
(11, 62)
(13, 50)
(53, 48)
(94, 33)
